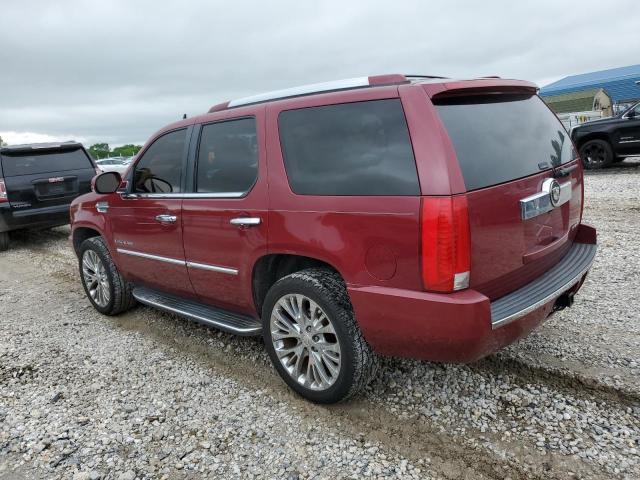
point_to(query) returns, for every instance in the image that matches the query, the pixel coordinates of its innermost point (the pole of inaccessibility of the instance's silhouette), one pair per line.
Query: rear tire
(4, 241)
(318, 348)
(106, 289)
(596, 154)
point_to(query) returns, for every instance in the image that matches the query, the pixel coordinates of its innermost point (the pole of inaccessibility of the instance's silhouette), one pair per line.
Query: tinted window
(349, 149)
(160, 168)
(504, 137)
(52, 162)
(227, 157)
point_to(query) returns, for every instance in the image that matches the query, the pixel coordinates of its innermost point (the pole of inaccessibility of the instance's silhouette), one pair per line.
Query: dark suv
(408, 216)
(38, 182)
(603, 142)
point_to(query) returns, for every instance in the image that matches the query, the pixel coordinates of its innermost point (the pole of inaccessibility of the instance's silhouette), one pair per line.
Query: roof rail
(336, 85)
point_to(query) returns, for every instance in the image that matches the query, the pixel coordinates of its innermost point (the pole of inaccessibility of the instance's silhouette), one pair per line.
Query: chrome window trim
(175, 261)
(213, 268)
(196, 159)
(149, 256)
(183, 195)
(626, 115)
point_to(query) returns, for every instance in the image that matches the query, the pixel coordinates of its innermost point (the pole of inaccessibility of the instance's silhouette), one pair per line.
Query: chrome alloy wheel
(305, 341)
(95, 278)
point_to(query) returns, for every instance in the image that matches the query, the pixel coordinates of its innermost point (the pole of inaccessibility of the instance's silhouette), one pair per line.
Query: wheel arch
(80, 234)
(593, 136)
(271, 267)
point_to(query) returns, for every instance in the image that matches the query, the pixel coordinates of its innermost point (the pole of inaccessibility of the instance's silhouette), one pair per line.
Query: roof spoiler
(39, 147)
(480, 86)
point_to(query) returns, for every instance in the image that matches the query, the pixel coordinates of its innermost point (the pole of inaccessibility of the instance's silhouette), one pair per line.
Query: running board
(224, 320)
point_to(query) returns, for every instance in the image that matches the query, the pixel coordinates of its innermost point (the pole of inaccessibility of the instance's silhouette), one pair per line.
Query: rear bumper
(466, 326)
(17, 219)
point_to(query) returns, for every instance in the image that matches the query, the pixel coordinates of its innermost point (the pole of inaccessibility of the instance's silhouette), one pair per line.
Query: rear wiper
(563, 172)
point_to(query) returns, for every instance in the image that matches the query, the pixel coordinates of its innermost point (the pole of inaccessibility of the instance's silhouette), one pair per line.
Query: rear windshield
(503, 137)
(45, 162)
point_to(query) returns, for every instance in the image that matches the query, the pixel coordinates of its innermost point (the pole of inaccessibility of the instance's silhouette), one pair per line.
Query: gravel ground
(149, 395)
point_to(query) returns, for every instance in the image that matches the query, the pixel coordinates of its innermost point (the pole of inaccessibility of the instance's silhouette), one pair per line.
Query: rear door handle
(246, 221)
(166, 218)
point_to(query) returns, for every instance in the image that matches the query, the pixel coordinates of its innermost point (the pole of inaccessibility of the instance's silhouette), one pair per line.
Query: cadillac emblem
(554, 193)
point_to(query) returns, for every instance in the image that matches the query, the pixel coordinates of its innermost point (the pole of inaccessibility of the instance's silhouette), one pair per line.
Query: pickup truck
(610, 140)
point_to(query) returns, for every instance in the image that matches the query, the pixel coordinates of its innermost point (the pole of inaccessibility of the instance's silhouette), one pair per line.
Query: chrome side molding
(148, 256)
(213, 268)
(175, 261)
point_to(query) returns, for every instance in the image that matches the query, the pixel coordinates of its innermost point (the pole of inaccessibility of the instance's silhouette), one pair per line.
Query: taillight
(446, 246)
(3, 191)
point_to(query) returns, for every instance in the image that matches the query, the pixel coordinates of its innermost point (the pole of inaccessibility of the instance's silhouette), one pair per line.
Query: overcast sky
(116, 71)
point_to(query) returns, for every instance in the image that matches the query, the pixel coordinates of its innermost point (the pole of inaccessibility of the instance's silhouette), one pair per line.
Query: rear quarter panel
(369, 240)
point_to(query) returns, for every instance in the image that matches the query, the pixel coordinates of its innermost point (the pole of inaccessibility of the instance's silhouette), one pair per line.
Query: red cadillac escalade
(397, 215)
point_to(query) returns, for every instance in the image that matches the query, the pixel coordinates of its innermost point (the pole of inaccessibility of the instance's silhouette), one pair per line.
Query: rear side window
(45, 162)
(358, 148)
(228, 157)
(160, 168)
(500, 138)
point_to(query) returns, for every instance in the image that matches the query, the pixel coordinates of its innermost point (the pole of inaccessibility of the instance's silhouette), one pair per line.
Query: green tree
(99, 150)
(128, 150)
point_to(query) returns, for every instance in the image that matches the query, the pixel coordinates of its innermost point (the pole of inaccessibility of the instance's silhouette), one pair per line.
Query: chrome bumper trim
(551, 285)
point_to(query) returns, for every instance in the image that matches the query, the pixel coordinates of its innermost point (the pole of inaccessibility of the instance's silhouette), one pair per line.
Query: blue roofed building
(607, 91)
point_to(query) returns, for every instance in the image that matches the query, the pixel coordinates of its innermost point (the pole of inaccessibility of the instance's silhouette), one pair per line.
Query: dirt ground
(149, 395)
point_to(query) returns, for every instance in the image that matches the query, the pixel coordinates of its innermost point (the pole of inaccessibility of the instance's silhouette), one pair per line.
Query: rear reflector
(3, 191)
(446, 244)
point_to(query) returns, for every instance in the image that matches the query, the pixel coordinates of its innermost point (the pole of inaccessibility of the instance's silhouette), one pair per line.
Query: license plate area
(55, 187)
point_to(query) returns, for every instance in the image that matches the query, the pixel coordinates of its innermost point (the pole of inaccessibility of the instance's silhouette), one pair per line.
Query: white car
(113, 164)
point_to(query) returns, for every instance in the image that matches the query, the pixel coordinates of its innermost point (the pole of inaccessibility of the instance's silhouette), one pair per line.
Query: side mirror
(107, 182)
(632, 113)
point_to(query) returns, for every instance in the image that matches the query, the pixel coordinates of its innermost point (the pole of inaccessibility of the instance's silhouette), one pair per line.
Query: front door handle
(246, 221)
(166, 218)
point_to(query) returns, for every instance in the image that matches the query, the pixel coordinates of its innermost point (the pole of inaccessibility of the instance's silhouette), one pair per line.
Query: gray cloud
(119, 70)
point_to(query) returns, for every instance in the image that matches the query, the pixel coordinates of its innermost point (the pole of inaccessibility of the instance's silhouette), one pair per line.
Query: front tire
(4, 241)
(596, 154)
(106, 289)
(313, 339)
